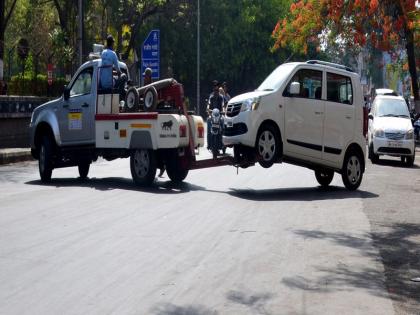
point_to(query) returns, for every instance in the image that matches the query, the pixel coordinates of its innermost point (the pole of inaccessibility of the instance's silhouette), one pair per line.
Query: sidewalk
(14, 155)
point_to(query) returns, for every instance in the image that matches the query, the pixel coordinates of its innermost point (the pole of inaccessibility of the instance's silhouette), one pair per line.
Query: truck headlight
(379, 133)
(250, 104)
(409, 135)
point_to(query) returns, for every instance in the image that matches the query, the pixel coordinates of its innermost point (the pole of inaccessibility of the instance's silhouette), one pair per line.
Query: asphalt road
(264, 241)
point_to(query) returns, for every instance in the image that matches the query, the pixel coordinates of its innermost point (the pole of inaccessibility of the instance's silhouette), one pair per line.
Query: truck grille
(394, 136)
(233, 109)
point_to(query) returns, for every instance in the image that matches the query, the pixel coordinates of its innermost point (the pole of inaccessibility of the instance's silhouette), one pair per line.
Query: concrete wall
(15, 116)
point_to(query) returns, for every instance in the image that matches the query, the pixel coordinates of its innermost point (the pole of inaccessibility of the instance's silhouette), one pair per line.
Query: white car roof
(390, 97)
(385, 91)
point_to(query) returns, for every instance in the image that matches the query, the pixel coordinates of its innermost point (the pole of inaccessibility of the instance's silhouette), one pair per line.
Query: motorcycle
(215, 133)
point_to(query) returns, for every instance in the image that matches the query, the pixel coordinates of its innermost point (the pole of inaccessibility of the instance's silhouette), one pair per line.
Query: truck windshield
(276, 78)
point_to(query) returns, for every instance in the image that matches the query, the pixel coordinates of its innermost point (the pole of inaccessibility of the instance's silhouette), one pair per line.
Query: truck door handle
(349, 117)
(280, 105)
(85, 105)
(319, 113)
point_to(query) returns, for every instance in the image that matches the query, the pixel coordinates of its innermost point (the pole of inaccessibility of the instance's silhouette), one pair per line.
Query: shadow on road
(111, 183)
(256, 302)
(399, 252)
(171, 309)
(395, 163)
(300, 194)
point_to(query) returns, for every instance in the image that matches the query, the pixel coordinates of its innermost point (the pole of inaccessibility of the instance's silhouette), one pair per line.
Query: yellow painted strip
(141, 126)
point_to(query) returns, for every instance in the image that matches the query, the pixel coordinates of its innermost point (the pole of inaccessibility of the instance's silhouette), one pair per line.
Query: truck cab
(72, 116)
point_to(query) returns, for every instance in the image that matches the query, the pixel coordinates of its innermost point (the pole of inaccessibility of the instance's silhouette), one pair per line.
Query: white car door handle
(319, 113)
(349, 117)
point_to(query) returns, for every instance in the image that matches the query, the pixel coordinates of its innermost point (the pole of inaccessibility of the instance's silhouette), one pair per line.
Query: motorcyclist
(215, 101)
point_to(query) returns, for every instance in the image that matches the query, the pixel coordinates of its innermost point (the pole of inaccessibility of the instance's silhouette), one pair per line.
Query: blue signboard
(150, 54)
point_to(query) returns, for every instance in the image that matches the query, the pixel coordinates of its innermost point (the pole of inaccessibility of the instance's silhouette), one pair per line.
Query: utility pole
(198, 58)
(80, 39)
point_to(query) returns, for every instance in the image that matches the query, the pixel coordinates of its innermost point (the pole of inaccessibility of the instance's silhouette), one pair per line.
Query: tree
(235, 43)
(389, 25)
(5, 15)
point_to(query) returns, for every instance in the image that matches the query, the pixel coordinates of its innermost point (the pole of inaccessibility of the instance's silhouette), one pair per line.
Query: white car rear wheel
(352, 171)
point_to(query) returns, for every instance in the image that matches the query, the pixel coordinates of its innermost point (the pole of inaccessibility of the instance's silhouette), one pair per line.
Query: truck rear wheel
(45, 159)
(143, 166)
(176, 167)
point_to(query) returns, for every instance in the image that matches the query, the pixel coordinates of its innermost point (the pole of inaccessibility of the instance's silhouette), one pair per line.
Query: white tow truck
(84, 124)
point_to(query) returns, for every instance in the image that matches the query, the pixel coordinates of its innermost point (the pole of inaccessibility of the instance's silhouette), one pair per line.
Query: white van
(305, 113)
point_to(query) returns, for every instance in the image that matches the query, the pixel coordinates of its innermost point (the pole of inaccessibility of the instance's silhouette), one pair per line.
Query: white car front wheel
(267, 145)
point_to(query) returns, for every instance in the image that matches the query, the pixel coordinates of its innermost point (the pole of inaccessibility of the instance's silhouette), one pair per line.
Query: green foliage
(38, 86)
(235, 43)
(235, 37)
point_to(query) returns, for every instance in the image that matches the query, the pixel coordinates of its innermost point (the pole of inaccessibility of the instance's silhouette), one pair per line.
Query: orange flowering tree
(389, 25)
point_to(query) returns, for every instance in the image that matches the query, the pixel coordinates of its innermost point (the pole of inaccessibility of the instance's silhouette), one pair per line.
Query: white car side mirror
(295, 88)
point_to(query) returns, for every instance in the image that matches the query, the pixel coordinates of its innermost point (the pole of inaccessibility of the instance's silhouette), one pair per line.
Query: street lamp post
(80, 39)
(198, 58)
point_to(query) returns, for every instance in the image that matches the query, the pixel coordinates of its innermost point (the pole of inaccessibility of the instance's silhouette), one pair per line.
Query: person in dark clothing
(147, 76)
(215, 100)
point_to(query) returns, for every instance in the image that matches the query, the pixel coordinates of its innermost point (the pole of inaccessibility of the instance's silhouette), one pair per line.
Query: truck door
(77, 115)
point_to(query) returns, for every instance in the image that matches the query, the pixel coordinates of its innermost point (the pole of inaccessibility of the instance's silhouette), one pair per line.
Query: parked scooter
(215, 133)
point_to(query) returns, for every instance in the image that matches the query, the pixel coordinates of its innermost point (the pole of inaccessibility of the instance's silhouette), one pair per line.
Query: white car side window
(339, 89)
(310, 83)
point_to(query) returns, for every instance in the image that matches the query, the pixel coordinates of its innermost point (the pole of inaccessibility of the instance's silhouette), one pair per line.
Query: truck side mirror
(295, 88)
(370, 116)
(66, 93)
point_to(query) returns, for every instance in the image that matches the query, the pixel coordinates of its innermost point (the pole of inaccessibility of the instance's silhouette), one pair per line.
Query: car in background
(390, 130)
(385, 92)
(416, 125)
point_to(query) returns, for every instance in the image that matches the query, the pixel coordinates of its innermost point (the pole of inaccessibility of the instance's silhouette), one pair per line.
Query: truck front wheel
(45, 159)
(143, 166)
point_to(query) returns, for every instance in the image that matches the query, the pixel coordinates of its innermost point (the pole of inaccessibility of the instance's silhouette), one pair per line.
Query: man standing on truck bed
(109, 61)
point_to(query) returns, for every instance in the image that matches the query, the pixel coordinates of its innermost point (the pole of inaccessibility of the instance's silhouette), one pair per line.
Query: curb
(15, 155)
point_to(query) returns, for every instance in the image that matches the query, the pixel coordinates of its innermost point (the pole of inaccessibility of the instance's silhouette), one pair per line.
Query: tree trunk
(5, 17)
(412, 67)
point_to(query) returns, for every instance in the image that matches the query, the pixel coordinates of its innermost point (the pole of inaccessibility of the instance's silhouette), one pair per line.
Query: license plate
(394, 144)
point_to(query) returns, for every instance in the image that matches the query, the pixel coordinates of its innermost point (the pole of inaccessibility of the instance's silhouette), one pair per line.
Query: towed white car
(305, 113)
(391, 131)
